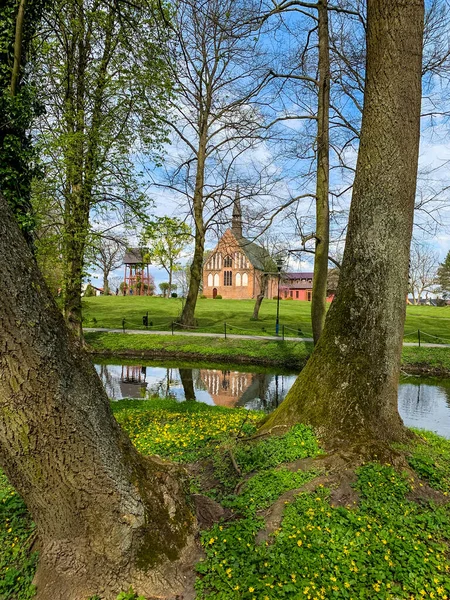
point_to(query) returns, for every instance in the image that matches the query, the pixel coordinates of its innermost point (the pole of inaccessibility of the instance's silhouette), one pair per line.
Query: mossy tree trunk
(106, 517)
(319, 295)
(348, 389)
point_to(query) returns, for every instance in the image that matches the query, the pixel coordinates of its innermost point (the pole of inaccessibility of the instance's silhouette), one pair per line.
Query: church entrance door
(214, 292)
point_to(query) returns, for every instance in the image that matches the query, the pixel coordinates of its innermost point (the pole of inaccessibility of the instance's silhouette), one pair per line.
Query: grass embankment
(290, 355)
(109, 311)
(384, 544)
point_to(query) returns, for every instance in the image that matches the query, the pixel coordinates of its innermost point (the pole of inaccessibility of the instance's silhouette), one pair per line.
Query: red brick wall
(228, 246)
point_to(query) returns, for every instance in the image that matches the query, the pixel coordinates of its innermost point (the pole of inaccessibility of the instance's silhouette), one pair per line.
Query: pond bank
(291, 355)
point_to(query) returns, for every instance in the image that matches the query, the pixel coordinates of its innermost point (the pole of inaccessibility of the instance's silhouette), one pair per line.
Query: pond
(423, 403)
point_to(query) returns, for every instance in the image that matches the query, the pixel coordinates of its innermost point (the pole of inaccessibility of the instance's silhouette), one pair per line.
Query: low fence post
(172, 327)
(282, 332)
(123, 325)
(418, 336)
(225, 330)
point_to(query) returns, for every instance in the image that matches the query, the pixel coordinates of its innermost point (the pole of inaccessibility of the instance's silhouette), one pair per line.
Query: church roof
(257, 255)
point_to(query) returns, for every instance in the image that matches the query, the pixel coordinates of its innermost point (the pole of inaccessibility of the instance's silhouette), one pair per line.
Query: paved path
(232, 336)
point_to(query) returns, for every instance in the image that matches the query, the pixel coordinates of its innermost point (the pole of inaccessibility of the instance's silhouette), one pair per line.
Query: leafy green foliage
(264, 488)
(386, 548)
(298, 442)
(183, 432)
(166, 238)
(18, 158)
(17, 563)
(430, 458)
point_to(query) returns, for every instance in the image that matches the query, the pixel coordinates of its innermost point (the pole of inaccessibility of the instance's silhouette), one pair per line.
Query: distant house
(299, 286)
(235, 267)
(137, 279)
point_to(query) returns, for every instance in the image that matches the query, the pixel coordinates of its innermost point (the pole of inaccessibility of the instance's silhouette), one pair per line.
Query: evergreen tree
(443, 276)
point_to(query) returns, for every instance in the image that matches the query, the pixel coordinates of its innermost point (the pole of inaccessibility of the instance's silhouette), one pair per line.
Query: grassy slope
(211, 314)
(264, 352)
(385, 546)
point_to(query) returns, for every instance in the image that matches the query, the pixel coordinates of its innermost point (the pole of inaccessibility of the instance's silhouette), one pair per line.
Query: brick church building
(235, 267)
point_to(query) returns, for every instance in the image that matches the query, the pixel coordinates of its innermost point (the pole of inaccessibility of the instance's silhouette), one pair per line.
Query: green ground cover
(385, 545)
(289, 355)
(109, 311)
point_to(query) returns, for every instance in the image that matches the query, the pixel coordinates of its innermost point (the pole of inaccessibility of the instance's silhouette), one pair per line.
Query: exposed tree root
(339, 474)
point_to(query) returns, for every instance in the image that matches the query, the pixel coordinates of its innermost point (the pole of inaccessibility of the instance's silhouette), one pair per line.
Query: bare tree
(422, 270)
(214, 120)
(107, 254)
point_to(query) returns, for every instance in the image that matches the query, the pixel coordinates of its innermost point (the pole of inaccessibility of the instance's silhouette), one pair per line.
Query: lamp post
(279, 267)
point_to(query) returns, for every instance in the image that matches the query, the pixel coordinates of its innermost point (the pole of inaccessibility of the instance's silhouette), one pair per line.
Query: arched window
(228, 278)
(210, 280)
(238, 280)
(216, 280)
(227, 261)
(245, 279)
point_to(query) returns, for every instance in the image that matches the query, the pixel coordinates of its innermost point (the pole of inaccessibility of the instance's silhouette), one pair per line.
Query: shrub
(174, 295)
(203, 297)
(218, 297)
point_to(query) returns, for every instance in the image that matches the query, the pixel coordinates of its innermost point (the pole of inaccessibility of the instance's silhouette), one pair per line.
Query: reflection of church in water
(133, 381)
(232, 388)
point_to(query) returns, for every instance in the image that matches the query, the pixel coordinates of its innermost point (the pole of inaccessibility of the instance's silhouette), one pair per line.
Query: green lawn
(211, 315)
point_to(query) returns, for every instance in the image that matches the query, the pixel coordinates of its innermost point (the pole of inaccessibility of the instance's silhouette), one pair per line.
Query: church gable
(234, 268)
(228, 254)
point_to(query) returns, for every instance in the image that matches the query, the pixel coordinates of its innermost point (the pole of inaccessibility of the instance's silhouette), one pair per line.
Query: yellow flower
(250, 589)
(299, 542)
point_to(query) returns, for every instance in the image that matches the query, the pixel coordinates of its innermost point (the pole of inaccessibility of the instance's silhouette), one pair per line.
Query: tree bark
(18, 48)
(260, 297)
(188, 313)
(319, 292)
(348, 389)
(105, 283)
(106, 517)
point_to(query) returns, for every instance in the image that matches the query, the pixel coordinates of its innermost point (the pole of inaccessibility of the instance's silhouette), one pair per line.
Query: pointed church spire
(236, 223)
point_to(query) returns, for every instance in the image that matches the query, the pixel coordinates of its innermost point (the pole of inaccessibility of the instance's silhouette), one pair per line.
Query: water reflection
(422, 403)
(426, 405)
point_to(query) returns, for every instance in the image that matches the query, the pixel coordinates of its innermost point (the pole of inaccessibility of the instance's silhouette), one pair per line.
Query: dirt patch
(426, 369)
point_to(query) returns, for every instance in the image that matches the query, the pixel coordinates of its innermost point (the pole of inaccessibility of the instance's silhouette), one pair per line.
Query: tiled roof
(133, 256)
(299, 276)
(257, 255)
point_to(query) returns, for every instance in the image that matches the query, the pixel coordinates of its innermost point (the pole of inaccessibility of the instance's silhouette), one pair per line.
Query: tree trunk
(348, 389)
(75, 226)
(188, 313)
(18, 48)
(106, 517)
(319, 293)
(260, 297)
(105, 283)
(169, 289)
